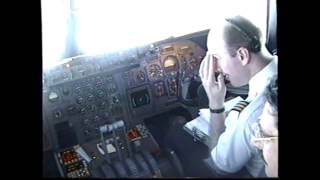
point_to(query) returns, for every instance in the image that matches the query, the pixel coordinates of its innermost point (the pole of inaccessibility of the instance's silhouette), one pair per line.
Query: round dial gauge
(155, 72)
(170, 61)
(193, 63)
(140, 76)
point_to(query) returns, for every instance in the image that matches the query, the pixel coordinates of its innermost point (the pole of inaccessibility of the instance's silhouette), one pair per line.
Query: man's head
(235, 42)
(266, 138)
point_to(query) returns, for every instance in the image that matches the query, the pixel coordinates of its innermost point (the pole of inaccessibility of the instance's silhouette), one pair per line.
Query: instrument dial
(53, 96)
(170, 63)
(159, 89)
(193, 63)
(141, 76)
(155, 72)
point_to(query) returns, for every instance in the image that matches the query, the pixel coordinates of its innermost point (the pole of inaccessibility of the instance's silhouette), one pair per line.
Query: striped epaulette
(240, 106)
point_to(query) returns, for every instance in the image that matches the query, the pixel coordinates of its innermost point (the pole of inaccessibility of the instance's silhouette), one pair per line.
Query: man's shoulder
(254, 109)
(257, 102)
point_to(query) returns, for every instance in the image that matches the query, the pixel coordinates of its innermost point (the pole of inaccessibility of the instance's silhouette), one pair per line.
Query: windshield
(75, 27)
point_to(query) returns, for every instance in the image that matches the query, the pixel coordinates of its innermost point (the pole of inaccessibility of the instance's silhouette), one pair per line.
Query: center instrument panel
(97, 104)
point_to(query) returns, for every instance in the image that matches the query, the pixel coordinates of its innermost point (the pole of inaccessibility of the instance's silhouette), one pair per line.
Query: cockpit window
(75, 27)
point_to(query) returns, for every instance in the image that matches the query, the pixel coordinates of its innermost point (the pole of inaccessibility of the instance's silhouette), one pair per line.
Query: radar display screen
(140, 98)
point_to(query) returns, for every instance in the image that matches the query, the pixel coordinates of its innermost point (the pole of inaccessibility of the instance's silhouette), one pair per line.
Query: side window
(271, 42)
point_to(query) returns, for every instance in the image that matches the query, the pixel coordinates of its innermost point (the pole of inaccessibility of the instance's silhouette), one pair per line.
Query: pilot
(266, 130)
(236, 51)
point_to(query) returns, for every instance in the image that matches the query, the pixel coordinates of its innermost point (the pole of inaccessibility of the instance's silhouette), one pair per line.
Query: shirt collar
(259, 81)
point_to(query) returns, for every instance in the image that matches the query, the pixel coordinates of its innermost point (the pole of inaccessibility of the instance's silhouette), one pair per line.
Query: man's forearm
(216, 128)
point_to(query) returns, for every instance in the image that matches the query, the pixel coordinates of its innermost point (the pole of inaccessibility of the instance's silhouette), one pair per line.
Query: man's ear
(243, 56)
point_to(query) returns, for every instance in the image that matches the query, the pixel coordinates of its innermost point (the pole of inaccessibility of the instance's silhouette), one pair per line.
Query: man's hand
(216, 90)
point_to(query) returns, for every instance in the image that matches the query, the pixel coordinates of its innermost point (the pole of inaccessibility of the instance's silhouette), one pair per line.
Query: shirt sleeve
(233, 150)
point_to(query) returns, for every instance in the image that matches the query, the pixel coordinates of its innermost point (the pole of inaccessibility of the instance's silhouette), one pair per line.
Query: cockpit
(109, 114)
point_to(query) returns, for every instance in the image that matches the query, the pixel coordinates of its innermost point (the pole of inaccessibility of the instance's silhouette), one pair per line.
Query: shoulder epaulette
(240, 106)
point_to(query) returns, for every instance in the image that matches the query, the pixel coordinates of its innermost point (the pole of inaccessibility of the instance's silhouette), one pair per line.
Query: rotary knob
(86, 122)
(90, 97)
(77, 90)
(92, 108)
(115, 100)
(109, 79)
(65, 91)
(99, 83)
(80, 100)
(96, 118)
(102, 105)
(71, 109)
(58, 114)
(97, 129)
(83, 110)
(87, 132)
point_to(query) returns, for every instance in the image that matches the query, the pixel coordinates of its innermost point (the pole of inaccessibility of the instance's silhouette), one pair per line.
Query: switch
(53, 96)
(83, 110)
(71, 109)
(97, 118)
(80, 100)
(90, 97)
(110, 148)
(65, 91)
(57, 114)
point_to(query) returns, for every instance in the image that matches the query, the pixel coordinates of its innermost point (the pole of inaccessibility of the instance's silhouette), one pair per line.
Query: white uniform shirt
(234, 149)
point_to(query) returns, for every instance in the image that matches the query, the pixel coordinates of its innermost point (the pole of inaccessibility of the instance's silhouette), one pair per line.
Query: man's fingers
(207, 67)
(201, 66)
(221, 80)
(211, 77)
(216, 65)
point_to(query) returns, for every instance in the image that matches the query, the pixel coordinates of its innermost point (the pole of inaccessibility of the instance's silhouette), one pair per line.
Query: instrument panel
(135, 83)
(155, 72)
(86, 98)
(91, 91)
